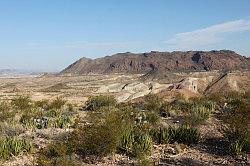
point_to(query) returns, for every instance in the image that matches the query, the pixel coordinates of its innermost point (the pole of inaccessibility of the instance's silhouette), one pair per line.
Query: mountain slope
(160, 61)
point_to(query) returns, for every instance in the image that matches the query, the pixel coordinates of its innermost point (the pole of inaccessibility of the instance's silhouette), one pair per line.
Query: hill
(143, 63)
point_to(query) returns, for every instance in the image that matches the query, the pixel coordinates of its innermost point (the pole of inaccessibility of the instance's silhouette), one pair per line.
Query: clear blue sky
(48, 35)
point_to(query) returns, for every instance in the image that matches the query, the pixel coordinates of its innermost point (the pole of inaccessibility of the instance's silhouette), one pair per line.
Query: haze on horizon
(49, 35)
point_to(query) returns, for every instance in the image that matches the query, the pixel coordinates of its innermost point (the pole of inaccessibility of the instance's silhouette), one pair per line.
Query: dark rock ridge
(160, 61)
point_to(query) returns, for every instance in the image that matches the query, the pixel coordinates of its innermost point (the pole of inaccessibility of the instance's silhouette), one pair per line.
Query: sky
(48, 35)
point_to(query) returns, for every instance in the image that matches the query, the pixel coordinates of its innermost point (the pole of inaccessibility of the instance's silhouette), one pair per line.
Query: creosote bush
(236, 115)
(96, 102)
(57, 104)
(153, 103)
(21, 102)
(5, 111)
(55, 154)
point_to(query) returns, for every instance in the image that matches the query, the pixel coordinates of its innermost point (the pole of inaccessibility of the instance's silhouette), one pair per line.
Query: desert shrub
(237, 118)
(215, 97)
(197, 115)
(63, 121)
(70, 107)
(181, 105)
(7, 129)
(165, 110)
(52, 113)
(142, 144)
(55, 154)
(153, 103)
(96, 102)
(103, 136)
(42, 104)
(5, 111)
(149, 117)
(152, 118)
(57, 104)
(21, 102)
(13, 146)
(34, 118)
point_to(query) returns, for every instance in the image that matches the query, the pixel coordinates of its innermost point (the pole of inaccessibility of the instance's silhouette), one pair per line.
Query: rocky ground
(211, 150)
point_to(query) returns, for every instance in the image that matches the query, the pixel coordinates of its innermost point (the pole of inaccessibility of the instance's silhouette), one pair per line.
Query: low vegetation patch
(13, 146)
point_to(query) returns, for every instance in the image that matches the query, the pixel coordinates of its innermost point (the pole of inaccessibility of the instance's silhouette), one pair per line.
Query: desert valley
(124, 83)
(163, 93)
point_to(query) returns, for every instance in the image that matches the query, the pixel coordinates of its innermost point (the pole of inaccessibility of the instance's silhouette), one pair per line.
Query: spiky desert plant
(161, 135)
(197, 115)
(142, 145)
(237, 146)
(127, 140)
(184, 135)
(13, 146)
(63, 121)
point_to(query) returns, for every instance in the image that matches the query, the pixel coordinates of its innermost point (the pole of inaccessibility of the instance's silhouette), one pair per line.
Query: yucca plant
(161, 135)
(127, 140)
(13, 146)
(184, 135)
(142, 145)
(197, 115)
(63, 121)
(237, 146)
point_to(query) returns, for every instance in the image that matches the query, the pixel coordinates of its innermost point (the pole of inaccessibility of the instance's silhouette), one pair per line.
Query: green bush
(237, 146)
(42, 104)
(96, 102)
(185, 135)
(181, 105)
(127, 140)
(63, 121)
(181, 135)
(22, 102)
(143, 144)
(237, 117)
(5, 111)
(55, 154)
(57, 104)
(153, 103)
(103, 136)
(28, 116)
(13, 146)
(197, 115)
(161, 135)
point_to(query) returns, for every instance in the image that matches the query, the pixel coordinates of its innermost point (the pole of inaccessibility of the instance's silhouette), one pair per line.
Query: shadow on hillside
(215, 145)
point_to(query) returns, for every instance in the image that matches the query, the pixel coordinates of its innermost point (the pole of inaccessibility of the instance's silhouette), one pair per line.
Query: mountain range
(143, 63)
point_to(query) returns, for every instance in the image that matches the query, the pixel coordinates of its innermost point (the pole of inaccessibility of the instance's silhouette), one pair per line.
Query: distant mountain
(15, 72)
(160, 61)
